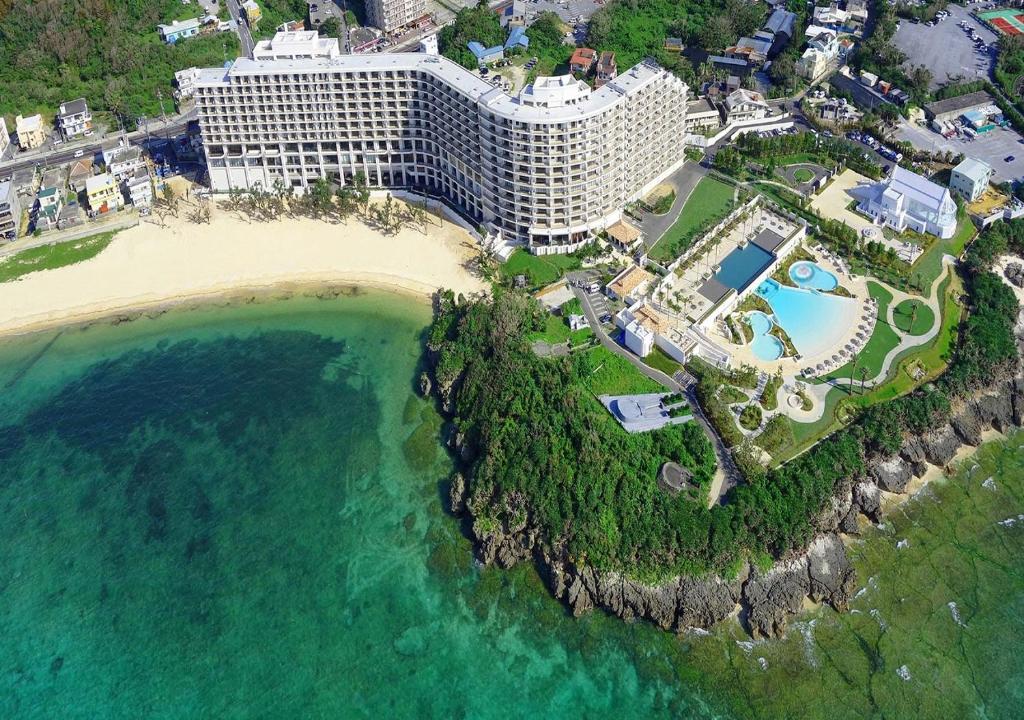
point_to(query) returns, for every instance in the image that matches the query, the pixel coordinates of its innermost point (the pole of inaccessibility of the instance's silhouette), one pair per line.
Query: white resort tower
(549, 168)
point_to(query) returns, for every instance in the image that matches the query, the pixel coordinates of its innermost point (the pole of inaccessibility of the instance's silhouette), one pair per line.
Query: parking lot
(568, 10)
(992, 147)
(946, 49)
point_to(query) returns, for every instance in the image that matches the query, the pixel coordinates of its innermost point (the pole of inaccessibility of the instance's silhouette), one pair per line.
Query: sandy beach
(151, 266)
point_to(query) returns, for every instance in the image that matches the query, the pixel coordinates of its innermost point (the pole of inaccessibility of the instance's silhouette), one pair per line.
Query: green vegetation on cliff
(533, 431)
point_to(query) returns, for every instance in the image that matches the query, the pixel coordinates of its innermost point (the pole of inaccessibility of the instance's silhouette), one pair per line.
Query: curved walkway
(819, 392)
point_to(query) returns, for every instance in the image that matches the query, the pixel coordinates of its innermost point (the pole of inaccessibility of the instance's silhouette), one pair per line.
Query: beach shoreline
(150, 269)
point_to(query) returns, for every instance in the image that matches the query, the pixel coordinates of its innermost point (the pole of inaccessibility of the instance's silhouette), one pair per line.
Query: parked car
(79, 153)
(1009, 158)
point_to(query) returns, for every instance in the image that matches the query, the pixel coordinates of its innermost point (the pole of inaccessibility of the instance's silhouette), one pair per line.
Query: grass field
(803, 175)
(539, 270)
(659, 360)
(556, 330)
(611, 374)
(929, 266)
(709, 202)
(905, 320)
(48, 257)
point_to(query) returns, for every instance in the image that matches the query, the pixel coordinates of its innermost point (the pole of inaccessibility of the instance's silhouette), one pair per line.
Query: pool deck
(744, 354)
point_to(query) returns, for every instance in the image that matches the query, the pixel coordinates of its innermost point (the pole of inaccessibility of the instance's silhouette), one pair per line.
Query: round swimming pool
(766, 346)
(811, 275)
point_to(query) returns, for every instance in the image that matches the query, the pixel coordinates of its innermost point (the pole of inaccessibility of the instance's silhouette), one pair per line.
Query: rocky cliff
(504, 535)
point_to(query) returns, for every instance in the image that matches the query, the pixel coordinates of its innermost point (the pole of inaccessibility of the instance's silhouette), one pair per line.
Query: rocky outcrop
(457, 494)
(832, 577)
(967, 426)
(940, 445)
(868, 498)
(1014, 272)
(771, 597)
(892, 474)
(425, 384)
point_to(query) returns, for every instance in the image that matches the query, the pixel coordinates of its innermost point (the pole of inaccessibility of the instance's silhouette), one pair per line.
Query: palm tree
(913, 315)
(863, 378)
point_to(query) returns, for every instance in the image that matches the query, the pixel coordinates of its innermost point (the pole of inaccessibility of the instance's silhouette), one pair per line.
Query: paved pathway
(684, 180)
(819, 392)
(727, 474)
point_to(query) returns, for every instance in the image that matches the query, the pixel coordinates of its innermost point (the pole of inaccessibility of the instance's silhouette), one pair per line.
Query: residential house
(970, 179)
(745, 105)
(178, 30)
(907, 200)
(102, 193)
(517, 38)
(702, 115)
(780, 27)
(123, 161)
(582, 60)
(846, 46)
(291, 26)
(838, 110)
(50, 202)
(857, 11)
(831, 16)
(5, 137)
(754, 50)
(138, 189)
(821, 56)
(512, 13)
(486, 55)
(10, 211)
(186, 82)
(606, 68)
(80, 171)
(74, 119)
(70, 216)
(253, 13)
(30, 131)
(868, 79)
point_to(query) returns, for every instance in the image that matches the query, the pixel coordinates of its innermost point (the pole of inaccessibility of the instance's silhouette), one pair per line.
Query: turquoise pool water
(816, 322)
(812, 276)
(765, 346)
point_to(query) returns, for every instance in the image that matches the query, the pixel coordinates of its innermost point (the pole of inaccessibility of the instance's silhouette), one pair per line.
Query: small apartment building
(606, 68)
(80, 171)
(745, 105)
(74, 119)
(5, 137)
(123, 162)
(138, 189)
(10, 211)
(629, 284)
(179, 30)
(390, 15)
(702, 115)
(820, 57)
(253, 13)
(103, 193)
(970, 179)
(51, 202)
(582, 60)
(186, 82)
(30, 131)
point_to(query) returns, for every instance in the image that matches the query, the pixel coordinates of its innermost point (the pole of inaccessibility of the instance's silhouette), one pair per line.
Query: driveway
(946, 49)
(684, 180)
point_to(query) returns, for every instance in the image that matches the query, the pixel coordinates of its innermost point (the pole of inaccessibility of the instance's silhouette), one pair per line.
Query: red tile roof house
(606, 68)
(582, 60)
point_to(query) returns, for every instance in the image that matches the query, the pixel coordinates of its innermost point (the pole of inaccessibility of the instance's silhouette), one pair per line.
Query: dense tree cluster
(478, 24)
(52, 51)
(535, 430)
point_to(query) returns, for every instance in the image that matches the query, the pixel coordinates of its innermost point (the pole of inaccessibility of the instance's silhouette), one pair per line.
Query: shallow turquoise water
(234, 513)
(816, 322)
(765, 345)
(811, 275)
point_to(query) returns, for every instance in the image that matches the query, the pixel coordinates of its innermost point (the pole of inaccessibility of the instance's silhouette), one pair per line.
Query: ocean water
(236, 513)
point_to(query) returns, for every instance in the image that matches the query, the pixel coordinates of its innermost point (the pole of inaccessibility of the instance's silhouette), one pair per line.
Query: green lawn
(882, 340)
(611, 374)
(659, 360)
(556, 330)
(929, 266)
(48, 257)
(803, 175)
(540, 271)
(906, 321)
(709, 202)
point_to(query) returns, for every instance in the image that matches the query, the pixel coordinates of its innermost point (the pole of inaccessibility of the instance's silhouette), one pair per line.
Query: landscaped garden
(709, 202)
(539, 270)
(913, 317)
(882, 341)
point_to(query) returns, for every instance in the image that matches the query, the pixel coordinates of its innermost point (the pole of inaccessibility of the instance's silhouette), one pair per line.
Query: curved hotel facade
(550, 167)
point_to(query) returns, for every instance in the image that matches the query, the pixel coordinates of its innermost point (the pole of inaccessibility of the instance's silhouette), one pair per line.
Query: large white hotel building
(549, 168)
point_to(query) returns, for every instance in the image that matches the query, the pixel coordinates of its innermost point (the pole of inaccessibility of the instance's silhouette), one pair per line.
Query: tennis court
(1007, 22)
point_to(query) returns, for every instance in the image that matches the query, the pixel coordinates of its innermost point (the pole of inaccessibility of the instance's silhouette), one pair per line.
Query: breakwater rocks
(764, 599)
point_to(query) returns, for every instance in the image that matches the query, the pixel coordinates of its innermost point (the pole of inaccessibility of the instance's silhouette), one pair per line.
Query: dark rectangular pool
(742, 265)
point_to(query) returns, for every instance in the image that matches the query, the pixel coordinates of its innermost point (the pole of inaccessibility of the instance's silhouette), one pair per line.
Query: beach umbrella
(820, 367)
(835, 358)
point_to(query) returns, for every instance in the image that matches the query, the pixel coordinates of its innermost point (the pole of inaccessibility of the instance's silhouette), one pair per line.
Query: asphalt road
(244, 35)
(65, 154)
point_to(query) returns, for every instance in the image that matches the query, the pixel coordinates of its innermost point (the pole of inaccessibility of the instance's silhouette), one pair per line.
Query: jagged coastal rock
(505, 535)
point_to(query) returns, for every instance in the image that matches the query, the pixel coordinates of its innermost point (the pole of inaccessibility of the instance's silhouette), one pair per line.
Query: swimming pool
(811, 275)
(816, 322)
(765, 346)
(742, 265)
